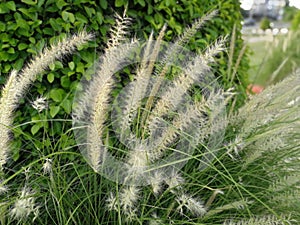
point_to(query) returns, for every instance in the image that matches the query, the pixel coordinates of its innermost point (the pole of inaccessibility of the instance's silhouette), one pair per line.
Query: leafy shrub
(289, 13)
(265, 23)
(295, 24)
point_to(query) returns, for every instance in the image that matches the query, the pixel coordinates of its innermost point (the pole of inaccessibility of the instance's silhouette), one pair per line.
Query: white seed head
(40, 104)
(25, 205)
(47, 166)
(111, 202)
(3, 188)
(156, 182)
(128, 197)
(174, 180)
(194, 206)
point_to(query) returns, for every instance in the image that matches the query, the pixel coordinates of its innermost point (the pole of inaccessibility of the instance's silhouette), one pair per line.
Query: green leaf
(89, 11)
(57, 94)
(35, 24)
(32, 40)
(23, 32)
(65, 16)
(142, 2)
(18, 16)
(40, 3)
(56, 128)
(29, 14)
(150, 9)
(80, 68)
(81, 18)
(52, 66)
(68, 16)
(36, 127)
(71, 17)
(11, 50)
(58, 65)
(12, 26)
(48, 31)
(55, 25)
(19, 64)
(103, 4)
(70, 73)
(88, 56)
(4, 37)
(22, 46)
(16, 145)
(50, 77)
(31, 50)
(71, 65)
(61, 3)
(7, 68)
(11, 5)
(40, 45)
(54, 110)
(119, 3)
(3, 8)
(52, 9)
(78, 2)
(29, 2)
(13, 42)
(173, 24)
(65, 81)
(4, 56)
(67, 106)
(99, 17)
(2, 26)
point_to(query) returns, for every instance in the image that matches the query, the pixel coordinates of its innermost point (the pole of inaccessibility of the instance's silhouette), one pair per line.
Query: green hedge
(265, 23)
(295, 24)
(27, 27)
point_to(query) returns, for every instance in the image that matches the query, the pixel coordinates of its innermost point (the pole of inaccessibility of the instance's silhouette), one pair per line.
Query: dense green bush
(295, 24)
(29, 26)
(289, 13)
(265, 24)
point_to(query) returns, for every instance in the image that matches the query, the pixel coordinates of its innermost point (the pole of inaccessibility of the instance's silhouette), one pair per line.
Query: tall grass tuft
(161, 150)
(282, 59)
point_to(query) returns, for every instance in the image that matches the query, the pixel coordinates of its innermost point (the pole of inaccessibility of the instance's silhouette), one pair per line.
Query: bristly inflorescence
(19, 82)
(119, 31)
(268, 122)
(153, 116)
(25, 205)
(160, 124)
(263, 220)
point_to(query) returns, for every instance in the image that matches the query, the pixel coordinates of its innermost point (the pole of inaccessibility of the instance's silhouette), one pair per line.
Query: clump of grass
(158, 152)
(282, 59)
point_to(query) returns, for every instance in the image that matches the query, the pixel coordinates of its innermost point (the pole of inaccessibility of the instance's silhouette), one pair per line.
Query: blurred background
(270, 28)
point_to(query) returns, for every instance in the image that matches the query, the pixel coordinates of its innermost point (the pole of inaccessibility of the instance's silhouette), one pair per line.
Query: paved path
(253, 39)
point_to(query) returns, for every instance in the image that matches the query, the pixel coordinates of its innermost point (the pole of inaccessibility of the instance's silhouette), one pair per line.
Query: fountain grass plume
(19, 82)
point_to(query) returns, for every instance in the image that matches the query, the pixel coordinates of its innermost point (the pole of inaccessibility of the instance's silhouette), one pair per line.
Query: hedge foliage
(28, 26)
(265, 23)
(295, 24)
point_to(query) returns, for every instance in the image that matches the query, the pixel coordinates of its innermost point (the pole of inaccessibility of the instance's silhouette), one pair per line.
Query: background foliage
(296, 21)
(265, 24)
(28, 26)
